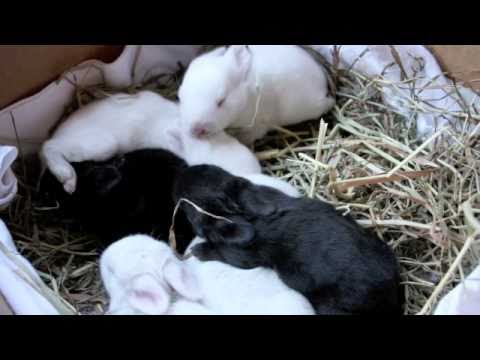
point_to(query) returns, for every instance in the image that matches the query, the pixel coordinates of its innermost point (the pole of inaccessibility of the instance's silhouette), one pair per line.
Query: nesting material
(418, 196)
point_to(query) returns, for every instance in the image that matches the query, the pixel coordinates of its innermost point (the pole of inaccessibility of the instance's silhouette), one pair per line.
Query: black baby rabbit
(125, 195)
(339, 266)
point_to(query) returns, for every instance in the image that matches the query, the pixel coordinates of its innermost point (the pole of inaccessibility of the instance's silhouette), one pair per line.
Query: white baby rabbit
(135, 273)
(220, 149)
(107, 127)
(140, 273)
(252, 88)
(233, 291)
(228, 153)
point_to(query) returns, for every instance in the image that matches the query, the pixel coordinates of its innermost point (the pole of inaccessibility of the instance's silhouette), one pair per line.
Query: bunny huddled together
(122, 164)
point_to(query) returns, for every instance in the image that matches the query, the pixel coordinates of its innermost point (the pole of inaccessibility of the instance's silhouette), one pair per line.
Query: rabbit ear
(181, 279)
(241, 57)
(234, 233)
(148, 296)
(246, 196)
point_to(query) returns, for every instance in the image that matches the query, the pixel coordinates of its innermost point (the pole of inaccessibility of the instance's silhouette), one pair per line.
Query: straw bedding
(419, 197)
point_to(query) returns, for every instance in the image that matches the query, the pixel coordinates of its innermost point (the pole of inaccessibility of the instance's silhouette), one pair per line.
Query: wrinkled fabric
(8, 181)
(22, 298)
(430, 86)
(464, 299)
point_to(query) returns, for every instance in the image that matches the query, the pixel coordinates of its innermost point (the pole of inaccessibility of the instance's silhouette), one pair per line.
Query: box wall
(461, 61)
(26, 69)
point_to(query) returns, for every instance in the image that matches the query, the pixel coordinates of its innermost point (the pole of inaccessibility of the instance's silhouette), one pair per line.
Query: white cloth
(418, 63)
(19, 294)
(8, 181)
(464, 299)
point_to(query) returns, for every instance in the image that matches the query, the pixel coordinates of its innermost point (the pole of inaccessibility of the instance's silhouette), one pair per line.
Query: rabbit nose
(199, 132)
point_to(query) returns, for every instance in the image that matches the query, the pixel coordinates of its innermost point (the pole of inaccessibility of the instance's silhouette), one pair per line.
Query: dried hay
(363, 157)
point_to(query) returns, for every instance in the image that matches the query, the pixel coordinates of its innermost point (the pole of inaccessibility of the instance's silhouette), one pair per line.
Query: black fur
(340, 267)
(123, 196)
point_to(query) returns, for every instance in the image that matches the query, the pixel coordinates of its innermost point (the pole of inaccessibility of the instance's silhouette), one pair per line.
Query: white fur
(107, 127)
(220, 149)
(133, 273)
(140, 272)
(232, 291)
(184, 307)
(228, 153)
(271, 84)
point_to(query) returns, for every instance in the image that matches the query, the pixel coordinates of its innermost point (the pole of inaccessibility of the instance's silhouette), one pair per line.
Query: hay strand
(171, 235)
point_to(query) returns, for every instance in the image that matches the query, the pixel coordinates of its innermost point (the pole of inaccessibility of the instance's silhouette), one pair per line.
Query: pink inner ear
(146, 295)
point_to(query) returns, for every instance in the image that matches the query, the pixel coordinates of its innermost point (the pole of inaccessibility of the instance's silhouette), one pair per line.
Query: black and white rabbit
(339, 266)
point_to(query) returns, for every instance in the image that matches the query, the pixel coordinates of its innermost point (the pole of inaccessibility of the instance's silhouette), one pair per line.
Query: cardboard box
(26, 69)
(462, 62)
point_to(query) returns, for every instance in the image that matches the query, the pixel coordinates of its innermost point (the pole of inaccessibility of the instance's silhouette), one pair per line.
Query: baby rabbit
(140, 274)
(127, 194)
(232, 291)
(136, 272)
(252, 88)
(220, 149)
(108, 127)
(228, 153)
(340, 267)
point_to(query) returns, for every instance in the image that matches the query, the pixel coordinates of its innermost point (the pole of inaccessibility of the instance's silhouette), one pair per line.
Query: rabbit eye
(220, 102)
